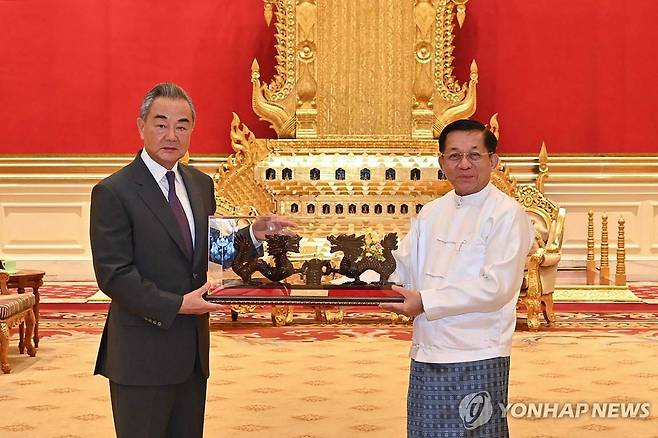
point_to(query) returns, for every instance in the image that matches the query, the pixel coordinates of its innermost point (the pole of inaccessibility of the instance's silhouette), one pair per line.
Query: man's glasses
(473, 157)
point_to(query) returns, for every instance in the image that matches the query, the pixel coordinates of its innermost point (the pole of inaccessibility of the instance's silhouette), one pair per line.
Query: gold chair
(542, 263)
(14, 309)
(541, 268)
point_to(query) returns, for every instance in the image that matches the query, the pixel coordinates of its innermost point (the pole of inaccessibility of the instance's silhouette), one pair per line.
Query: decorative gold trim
(444, 81)
(267, 12)
(234, 180)
(504, 181)
(283, 81)
(461, 11)
(276, 102)
(307, 86)
(462, 109)
(494, 126)
(423, 90)
(282, 119)
(456, 101)
(80, 172)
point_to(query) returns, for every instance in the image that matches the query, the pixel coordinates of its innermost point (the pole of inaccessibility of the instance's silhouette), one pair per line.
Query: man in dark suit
(149, 243)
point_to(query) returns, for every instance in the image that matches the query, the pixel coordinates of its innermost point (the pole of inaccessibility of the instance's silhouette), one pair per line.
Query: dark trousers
(167, 411)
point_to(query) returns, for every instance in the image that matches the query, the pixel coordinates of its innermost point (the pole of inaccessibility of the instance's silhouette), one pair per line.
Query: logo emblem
(475, 409)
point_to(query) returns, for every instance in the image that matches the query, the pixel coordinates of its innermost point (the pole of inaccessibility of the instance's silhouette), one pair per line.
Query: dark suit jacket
(140, 263)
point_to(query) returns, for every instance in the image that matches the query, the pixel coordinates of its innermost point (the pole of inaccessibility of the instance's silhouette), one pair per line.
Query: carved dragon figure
(352, 265)
(278, 246)
(383, 267)
(352, 248)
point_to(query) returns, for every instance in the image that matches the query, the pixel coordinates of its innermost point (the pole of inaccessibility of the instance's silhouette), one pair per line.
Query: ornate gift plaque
(285, 276)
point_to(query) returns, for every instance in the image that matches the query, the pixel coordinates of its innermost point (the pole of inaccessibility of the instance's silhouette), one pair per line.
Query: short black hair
(490, 140)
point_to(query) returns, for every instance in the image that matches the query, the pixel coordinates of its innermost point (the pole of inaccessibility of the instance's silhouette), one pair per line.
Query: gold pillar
(620, 277)
(591, 264)
(604, 275)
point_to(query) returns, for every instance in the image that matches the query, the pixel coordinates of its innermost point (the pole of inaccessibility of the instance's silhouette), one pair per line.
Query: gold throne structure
(361, 93)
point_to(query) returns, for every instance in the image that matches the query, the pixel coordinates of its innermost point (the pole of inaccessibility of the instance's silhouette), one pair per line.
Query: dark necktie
(179, 213)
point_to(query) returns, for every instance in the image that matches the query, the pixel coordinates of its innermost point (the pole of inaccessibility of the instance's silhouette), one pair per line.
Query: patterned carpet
(351, 384)
(313, 380)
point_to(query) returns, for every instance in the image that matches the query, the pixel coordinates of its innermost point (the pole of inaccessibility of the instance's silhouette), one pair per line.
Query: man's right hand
(271, 224)
(195, 304)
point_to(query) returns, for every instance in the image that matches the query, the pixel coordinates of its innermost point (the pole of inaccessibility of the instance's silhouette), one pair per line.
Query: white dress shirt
(466, 255)
(160, 175)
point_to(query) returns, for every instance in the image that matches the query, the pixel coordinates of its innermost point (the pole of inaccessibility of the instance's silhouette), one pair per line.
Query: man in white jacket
(461, 265)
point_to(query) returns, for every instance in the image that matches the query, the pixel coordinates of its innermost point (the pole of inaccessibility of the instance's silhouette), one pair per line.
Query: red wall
(578, 74)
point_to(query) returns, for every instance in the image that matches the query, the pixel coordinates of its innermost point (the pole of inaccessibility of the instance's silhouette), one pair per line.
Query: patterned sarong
(458, 399)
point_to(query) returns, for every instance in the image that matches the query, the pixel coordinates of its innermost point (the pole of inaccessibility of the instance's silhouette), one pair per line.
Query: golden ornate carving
(494, 126)
(591, 264)
(329, 315)
(398, 318)
(281, 315)
(458, 101)
(276, 101)
(543, 168)
(423, 90)
(604, 274)
(283, 82)
(320, 90)
(307, 85)
(241, 309)
(236, 190)
(462, 109)
(532, 298)
(365, 69)
(461, 11)
(281, 116)
(505, 182)
(620, 274)
(267, 12)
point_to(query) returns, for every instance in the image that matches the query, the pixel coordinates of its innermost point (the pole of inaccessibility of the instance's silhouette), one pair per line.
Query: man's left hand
(412, 306)
(271, 224)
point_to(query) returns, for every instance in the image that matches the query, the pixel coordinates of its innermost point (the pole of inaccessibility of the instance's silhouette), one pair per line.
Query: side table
(20, 280)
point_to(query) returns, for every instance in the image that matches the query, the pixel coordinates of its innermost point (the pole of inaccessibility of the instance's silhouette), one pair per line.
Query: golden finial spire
(543, 168)
(461, 11)
(620, 277)
(591, 265)
(267, 12)
(604, 275)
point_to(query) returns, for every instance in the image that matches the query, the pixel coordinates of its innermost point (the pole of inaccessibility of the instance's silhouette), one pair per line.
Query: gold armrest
(551, 258)
(534, 282)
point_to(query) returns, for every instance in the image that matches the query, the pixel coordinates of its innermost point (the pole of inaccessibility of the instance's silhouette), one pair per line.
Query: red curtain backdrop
(579, 74)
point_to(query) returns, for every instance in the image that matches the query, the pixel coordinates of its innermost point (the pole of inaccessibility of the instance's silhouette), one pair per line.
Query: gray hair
(167, 90)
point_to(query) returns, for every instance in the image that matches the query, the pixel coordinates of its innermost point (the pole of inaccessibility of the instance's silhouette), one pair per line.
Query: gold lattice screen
(364, 85)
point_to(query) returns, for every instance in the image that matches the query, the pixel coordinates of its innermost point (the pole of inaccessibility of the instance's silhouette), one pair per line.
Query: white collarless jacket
(466, 255)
